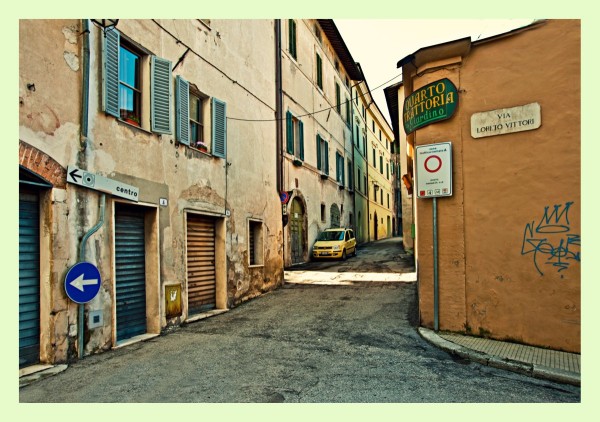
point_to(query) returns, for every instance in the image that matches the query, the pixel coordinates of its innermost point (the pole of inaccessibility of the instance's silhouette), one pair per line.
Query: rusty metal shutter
(29, 277)
(201, 285)
(130, 253)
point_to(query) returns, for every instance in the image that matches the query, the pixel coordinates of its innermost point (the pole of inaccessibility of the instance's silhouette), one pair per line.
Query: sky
(397, 38)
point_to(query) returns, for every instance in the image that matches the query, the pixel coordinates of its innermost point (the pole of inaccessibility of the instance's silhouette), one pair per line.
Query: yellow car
(335, 243)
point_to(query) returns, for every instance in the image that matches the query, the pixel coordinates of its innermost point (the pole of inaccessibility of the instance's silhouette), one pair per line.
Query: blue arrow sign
(82, 282)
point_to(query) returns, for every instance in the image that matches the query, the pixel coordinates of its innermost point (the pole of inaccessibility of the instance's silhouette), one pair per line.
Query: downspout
(84, 134)
(279, 124)
(279, 105)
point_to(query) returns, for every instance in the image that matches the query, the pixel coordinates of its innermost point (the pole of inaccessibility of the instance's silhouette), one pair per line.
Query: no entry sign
(434, 170)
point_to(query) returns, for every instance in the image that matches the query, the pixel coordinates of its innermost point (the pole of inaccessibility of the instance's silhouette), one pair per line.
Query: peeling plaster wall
(230, 66)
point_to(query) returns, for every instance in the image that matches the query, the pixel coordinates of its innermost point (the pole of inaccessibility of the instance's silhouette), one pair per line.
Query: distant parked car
(335, 243)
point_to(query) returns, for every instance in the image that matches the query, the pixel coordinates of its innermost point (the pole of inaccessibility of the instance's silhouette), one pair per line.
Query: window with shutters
(292, 38)
(201, 122)
(350, 175)
(294, 136)
(339, 168)
(322, 156)
(125, 66)
(255, 242)
(319, 71)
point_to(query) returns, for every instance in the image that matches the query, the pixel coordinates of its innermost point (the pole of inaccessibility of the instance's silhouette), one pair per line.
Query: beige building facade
(509, 236)
(140, 153)
(382, 218)
(317, 151)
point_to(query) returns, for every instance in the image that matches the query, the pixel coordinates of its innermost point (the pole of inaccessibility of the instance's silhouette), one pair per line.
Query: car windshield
(332, 235)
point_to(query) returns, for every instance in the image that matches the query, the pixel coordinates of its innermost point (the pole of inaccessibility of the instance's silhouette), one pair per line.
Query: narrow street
(351, 342)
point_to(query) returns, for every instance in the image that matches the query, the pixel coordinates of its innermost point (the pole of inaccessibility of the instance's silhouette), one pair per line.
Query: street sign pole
(434, 179)
(436, 299)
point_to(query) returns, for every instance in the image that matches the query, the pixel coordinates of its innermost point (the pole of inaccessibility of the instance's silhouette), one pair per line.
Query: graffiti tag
(551, 241)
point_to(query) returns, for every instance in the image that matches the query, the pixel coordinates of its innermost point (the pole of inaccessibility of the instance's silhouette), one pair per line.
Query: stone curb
(46, 372)
(536, 371)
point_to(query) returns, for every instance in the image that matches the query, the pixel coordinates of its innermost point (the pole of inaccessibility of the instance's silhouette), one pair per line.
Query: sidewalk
(533, 361)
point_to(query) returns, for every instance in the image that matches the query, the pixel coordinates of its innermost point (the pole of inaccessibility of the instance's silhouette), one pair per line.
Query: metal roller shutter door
(130, 253)
(201, 263)
(29, 278)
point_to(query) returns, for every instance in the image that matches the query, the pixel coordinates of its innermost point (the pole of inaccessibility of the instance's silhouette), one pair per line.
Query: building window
(348, 108)
(350, 176)
(323, 216)
(192, 113)
(380, 134)
(124, 95)
(130, 93)
(322, 155)
(381, 164)
(364, 150)
(318, 34)
(388, 201)
(255, 242)
(319, 71)
(295, 136)
(292, 38)
(387, 170)
(358, 180)
(364, 112)
(197, 106)
(339, 168)
(381, 196)
(373, 124)
(338, 98)
(374, 158)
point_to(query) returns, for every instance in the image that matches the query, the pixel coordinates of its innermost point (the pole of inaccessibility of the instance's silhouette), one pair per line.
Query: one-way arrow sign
(93, 181)
(82, 282)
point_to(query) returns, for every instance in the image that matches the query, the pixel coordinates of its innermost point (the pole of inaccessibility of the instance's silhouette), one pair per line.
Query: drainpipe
(279, 105)
(279, 120)
(83, 140)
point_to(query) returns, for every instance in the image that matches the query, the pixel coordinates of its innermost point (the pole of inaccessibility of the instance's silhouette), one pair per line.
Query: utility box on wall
(173, 301)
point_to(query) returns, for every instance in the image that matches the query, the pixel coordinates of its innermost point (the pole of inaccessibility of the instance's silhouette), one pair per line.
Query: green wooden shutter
(292, 38)
(319, 166)
(219, 128)
(182, 113)
(301, 140)
(110, 101)
(326, 157)
(319, 72)
(160, 95)
(290, 132)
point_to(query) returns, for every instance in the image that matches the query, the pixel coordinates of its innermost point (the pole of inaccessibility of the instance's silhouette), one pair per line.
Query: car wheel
(344, 255)
(354, 252)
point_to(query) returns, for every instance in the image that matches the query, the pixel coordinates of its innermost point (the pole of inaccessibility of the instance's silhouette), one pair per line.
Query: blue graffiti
(550, 241)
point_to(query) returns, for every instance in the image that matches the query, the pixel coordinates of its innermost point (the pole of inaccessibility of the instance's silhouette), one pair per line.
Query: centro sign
(103, 184)
(432, 103)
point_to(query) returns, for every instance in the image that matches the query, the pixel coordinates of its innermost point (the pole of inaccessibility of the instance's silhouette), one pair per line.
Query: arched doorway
(297, 231)
(335, 215)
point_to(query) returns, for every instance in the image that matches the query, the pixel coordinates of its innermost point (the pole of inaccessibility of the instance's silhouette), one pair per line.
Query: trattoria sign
(429, 104)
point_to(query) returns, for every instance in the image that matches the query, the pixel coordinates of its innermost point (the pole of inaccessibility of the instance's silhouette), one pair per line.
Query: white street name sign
(506, 120)
(93, 181)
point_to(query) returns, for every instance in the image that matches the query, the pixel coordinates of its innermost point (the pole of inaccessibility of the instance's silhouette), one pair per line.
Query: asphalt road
(304, 343)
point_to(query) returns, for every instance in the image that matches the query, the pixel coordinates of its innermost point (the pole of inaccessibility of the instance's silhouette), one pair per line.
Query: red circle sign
(439, 164)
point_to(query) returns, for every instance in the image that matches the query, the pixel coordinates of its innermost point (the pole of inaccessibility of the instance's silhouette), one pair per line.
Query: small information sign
(434, 170)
